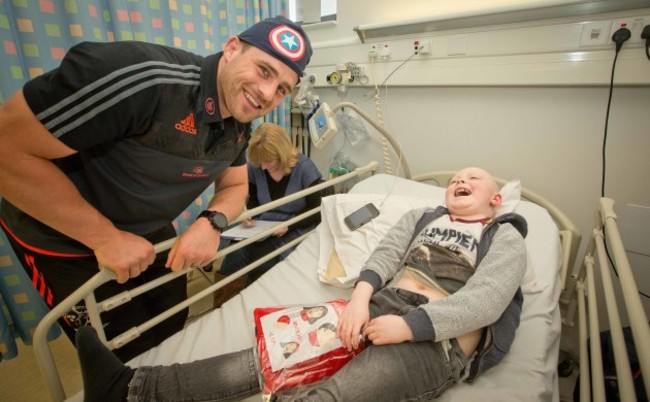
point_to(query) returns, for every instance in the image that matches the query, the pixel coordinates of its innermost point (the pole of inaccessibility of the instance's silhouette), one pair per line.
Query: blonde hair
(270, 142)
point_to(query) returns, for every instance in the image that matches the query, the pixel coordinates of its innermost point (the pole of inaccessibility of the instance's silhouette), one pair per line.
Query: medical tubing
(380, 118)
(388, 165)
(382, 130)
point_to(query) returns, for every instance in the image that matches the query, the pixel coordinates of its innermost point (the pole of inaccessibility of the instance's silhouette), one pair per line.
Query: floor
(24, 370)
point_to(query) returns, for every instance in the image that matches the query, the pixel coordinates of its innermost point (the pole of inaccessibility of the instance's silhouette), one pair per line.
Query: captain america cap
(282, 39)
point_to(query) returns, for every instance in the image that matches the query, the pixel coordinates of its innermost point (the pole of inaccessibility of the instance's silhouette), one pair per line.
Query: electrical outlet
(373, 52)
(422, 47)
(635, 25)
(596, 33)
(384, 52)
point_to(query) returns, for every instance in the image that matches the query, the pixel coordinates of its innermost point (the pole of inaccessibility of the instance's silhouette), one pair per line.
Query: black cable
(619, 37)
(397, 68)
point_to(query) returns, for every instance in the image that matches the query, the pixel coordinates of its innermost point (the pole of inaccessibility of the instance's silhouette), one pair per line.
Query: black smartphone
(361, 216)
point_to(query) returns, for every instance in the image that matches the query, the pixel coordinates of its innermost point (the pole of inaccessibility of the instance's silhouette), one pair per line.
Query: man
(102, 153)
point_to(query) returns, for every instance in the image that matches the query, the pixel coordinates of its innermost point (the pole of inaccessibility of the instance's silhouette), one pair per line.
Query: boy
(438, 302)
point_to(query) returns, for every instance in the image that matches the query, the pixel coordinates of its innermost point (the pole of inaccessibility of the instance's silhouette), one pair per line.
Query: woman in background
(275, 169)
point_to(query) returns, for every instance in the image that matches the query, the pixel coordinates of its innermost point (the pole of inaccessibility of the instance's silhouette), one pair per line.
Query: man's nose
(268, 90)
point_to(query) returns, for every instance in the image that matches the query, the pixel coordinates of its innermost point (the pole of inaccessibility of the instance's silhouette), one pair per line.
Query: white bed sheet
(527, 373)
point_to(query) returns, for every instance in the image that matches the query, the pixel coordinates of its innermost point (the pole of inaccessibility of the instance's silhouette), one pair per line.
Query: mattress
(528, 372)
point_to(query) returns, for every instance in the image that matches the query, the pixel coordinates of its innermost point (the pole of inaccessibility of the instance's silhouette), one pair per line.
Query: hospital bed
(528, 372)
(582, 298)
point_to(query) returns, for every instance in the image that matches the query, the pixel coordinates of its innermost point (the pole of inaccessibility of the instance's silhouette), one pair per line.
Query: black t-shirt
(145, 121)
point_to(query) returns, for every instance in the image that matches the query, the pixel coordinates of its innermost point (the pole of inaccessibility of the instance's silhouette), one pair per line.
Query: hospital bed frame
(606, 237)
(42, 350)
(569, 240)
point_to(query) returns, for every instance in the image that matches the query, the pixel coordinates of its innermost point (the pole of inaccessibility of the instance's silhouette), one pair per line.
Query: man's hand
(388, 329)
(126, 254)
(196, 247)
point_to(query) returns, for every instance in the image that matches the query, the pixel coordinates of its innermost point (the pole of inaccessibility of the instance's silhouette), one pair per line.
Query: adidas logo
(187, 125)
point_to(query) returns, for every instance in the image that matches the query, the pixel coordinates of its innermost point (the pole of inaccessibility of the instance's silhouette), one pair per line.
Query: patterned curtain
(35, 34)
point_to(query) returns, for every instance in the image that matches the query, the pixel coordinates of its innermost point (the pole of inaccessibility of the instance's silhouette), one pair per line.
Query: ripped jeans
(417, 371)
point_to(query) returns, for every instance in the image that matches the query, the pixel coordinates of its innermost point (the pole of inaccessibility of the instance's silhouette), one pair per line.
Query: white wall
(548, 132)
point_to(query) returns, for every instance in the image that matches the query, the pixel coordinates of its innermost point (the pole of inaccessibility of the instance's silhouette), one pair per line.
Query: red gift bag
(297, 345)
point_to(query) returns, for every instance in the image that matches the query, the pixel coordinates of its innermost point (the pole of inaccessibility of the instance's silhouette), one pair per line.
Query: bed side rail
(41, 347)
(589, 330)
(570, 236)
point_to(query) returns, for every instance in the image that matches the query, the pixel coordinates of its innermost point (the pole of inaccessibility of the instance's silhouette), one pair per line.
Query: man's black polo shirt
(145, 121)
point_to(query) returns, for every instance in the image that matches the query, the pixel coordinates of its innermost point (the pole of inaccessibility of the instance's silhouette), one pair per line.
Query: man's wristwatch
(217, 219)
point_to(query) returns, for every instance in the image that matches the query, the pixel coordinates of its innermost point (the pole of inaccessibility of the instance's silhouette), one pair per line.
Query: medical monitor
(321, 125)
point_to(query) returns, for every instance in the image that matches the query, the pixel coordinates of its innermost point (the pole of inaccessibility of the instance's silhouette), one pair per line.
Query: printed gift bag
(297, 345)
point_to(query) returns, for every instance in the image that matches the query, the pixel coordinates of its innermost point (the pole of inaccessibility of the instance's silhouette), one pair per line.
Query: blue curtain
(34, 36)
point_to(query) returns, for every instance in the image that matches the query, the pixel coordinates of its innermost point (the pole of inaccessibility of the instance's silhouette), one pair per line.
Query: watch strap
(217, 219)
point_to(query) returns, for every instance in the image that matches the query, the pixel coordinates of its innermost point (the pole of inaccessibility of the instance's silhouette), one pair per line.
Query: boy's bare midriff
(411, 282)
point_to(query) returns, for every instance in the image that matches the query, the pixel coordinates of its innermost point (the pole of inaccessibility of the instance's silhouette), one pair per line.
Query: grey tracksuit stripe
(73, 117)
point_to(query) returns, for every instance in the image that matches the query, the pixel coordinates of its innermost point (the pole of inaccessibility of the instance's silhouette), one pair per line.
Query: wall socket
(422, 46)
(384, 51)
(635, 25)
(596, 33)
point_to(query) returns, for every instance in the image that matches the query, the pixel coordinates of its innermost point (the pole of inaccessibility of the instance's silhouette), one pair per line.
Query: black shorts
(56, 278)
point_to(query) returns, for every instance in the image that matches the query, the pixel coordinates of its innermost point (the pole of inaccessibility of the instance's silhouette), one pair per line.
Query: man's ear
(232, 46)
(496, 200)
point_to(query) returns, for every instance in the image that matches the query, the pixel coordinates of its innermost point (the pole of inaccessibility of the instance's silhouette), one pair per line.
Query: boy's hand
(355, 316)
(353, 319)
(388, 329)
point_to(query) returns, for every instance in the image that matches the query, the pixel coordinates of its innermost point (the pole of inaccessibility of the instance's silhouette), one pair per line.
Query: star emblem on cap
(289, 41)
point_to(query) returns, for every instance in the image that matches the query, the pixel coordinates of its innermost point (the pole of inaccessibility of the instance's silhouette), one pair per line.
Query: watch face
(219, 220)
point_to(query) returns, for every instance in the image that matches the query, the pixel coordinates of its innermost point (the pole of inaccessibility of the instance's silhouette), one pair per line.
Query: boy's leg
(404, 371)
(221, 378)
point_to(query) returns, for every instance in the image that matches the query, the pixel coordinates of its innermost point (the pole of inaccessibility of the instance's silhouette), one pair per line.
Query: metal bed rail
(42, 350)
(596, 258)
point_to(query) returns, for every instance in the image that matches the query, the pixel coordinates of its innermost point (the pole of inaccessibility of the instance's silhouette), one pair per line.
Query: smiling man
(100, 154)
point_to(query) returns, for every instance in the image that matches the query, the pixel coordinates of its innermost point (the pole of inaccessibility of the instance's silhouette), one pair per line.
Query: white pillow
(342, 251)
(510, 197)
